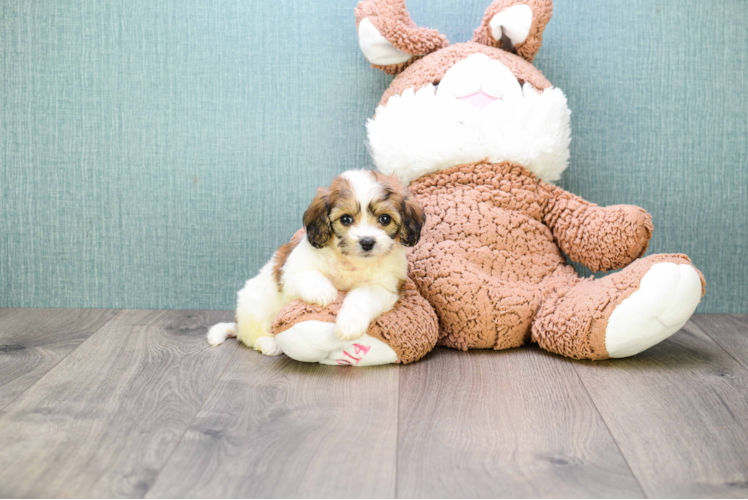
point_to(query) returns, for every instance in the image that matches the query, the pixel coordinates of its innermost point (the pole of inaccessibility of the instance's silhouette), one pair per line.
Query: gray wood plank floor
(278, 428)
(504, 424)
(33, 341)
(679, 412)
(104, 421)
(103, 403)
(729, 331)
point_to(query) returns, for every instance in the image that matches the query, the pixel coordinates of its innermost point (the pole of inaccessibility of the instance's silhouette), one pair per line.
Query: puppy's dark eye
(346, 220)
(385, 219)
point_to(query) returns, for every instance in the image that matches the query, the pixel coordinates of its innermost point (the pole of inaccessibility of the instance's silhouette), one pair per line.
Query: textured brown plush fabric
(610, 237)
(541, 14)
(489, 260)
(432, 68)
(391, 19)
(410, 329)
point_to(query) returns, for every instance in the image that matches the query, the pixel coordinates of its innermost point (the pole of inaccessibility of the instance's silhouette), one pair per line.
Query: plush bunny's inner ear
(515, 26)
(376, 48)
(512, 25)
(389, 38)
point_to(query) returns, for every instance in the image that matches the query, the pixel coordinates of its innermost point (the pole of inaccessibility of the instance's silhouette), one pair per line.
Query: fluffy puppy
(356, 234)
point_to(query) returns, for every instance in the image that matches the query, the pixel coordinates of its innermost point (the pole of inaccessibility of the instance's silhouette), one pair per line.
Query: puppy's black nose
(367, 243)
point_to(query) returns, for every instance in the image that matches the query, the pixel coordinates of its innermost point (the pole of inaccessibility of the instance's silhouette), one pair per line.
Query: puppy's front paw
(350, 326)
(323, 294)
(268, 346)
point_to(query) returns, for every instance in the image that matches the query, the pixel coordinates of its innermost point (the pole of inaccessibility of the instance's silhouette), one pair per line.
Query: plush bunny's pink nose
(480, 99)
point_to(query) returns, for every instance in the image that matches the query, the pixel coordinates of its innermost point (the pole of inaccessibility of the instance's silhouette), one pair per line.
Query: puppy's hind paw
(268, 346)
(219, 332)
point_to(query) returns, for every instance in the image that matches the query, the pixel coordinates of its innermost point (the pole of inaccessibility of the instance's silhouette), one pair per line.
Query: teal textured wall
(154, 154)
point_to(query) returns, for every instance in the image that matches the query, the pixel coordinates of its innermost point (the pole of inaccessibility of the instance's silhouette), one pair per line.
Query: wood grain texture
(679, 412)
(33, 341)
(274, 427)
(104, 421)
(143, 407)
(730, 331)
(514, 423)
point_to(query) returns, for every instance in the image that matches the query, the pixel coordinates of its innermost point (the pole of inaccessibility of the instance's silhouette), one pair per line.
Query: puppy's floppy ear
(413, 219)
(316, 220)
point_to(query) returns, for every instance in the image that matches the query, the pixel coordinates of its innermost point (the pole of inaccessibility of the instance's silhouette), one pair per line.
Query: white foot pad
(666, 298)
(316, 342)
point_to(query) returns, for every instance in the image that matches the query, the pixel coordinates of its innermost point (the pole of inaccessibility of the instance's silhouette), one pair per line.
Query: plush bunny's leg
(306, 332)
(475, 309)
(621, 314)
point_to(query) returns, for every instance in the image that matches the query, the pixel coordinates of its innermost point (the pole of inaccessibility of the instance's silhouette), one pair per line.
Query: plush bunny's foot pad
(316, 342)
(666, 298)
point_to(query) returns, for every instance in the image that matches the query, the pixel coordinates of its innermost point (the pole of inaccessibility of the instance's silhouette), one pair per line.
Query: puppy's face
(364, 214)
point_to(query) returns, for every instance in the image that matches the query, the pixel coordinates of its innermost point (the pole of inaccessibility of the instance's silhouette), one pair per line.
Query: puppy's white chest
(349, 275)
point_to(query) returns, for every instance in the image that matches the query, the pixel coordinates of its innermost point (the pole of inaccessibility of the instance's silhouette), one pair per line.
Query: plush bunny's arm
(601, 238)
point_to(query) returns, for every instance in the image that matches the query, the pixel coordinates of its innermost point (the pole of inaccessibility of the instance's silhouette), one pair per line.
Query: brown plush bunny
(479, 134)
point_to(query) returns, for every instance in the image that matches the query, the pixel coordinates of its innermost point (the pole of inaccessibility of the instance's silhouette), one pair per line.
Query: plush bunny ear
(515, 26)
(389, 38)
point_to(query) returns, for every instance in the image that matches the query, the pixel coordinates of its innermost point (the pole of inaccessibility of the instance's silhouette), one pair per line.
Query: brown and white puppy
(356, 234)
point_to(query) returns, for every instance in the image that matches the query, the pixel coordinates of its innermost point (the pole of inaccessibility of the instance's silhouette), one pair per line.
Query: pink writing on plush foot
(352, 357)
(359, 348)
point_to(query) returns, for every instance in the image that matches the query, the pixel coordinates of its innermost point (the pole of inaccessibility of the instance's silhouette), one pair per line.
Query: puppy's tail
(219, 332)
